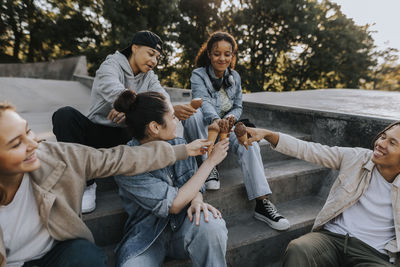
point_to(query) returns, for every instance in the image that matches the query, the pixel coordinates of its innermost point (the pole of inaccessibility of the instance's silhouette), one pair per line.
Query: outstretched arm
(190, 189)
(327, 156)
(256, 134)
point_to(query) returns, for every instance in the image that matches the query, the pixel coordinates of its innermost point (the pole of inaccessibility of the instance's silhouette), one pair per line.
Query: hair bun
(125, 101)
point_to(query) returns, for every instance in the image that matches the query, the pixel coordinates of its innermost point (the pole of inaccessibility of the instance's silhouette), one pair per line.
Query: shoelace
(213, 175)
(271, 209)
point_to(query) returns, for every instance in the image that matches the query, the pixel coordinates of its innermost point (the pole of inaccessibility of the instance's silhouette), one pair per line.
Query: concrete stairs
(333, 117)
(299, 188)
(296, 187)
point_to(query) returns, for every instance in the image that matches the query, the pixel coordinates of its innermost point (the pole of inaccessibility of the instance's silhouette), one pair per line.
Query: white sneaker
(89, 199)
(212, 182)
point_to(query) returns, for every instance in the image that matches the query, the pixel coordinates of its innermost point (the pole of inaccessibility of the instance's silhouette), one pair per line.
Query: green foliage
(385, 76)
(283, 44)
(299, 44)
(198, 19)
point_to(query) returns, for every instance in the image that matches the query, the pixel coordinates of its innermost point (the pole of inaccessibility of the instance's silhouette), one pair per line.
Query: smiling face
(143, 58)
(387, 150)
(221, 57)
(17, 146)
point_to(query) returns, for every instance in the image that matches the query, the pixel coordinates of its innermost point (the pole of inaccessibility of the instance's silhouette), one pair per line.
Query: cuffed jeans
(332, 250)
(205, 245)
(71, 253)
(249, 160)
(71, 126)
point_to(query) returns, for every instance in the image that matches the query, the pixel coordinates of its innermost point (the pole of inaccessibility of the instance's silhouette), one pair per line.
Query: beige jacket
(355, 168)
(59, 183)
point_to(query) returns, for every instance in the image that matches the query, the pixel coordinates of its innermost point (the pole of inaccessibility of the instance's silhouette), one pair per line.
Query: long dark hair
(141, 109)
(390, 126)
(202, 59)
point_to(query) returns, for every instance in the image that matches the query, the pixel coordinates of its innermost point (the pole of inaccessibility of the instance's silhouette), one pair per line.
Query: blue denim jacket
(202, 87)
(147, 199)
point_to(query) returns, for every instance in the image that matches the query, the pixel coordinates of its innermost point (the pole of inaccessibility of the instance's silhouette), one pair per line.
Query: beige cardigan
(59, 183)
(355, 167)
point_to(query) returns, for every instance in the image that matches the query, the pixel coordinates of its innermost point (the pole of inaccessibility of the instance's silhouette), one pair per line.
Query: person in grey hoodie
(104, 127)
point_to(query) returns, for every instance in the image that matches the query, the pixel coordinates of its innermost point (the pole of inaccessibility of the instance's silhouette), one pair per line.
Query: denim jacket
(355, 168)
(202, 87)
(147, 199)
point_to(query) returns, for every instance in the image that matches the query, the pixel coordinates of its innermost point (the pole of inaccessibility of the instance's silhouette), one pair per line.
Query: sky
(384, 13)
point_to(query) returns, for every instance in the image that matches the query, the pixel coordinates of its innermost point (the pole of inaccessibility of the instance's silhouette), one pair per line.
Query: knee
(295, 246)
(254, 148)
(195, 120)
(83, 253)
(295, 251)
(63, 115)
(214, 231)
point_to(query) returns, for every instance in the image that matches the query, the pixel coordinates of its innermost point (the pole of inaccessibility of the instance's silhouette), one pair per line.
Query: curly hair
(202, 59)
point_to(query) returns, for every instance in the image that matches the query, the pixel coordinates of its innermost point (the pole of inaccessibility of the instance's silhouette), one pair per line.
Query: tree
(41, 30)
(386, 75)
(198, 19)
(125, 17)
(299, 44)
(283, 44)
(13, 14)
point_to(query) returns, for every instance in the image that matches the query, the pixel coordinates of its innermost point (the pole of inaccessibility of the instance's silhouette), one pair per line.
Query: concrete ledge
(84, 79)
(60, 69)
(179, 95)
(324, 127)
(339, 123)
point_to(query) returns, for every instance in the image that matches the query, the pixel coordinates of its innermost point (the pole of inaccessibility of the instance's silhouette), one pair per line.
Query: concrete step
(253, 243)
(230, 162)
(107, 221)
(289, 179)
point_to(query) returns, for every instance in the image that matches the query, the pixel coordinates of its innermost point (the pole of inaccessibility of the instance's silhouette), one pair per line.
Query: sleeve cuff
(211, 119)
(286, 144)
(162, 209)
(180, 152)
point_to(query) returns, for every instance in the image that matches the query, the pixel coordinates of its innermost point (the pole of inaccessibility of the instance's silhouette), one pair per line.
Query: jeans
(71, 126)
(332, 250)
(205, 245)
(249, 160)
(71, 253)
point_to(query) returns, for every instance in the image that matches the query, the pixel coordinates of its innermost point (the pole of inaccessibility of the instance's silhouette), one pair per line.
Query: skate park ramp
(37, 99)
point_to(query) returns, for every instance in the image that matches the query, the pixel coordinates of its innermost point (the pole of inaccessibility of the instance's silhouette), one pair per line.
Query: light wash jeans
(205, 245)
(249, 160)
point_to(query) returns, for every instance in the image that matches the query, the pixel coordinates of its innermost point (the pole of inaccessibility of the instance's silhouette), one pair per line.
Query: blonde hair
(3, 107)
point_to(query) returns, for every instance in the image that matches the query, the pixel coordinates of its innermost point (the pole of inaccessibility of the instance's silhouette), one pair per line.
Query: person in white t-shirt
(359, 224)
(41, 188)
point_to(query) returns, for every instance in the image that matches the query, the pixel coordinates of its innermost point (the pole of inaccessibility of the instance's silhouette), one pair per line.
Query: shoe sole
(88, 210)
(212, 186)
(270, 223)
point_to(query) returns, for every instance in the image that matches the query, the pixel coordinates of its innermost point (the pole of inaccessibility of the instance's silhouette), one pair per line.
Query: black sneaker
(212, 182)
(267, 212)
